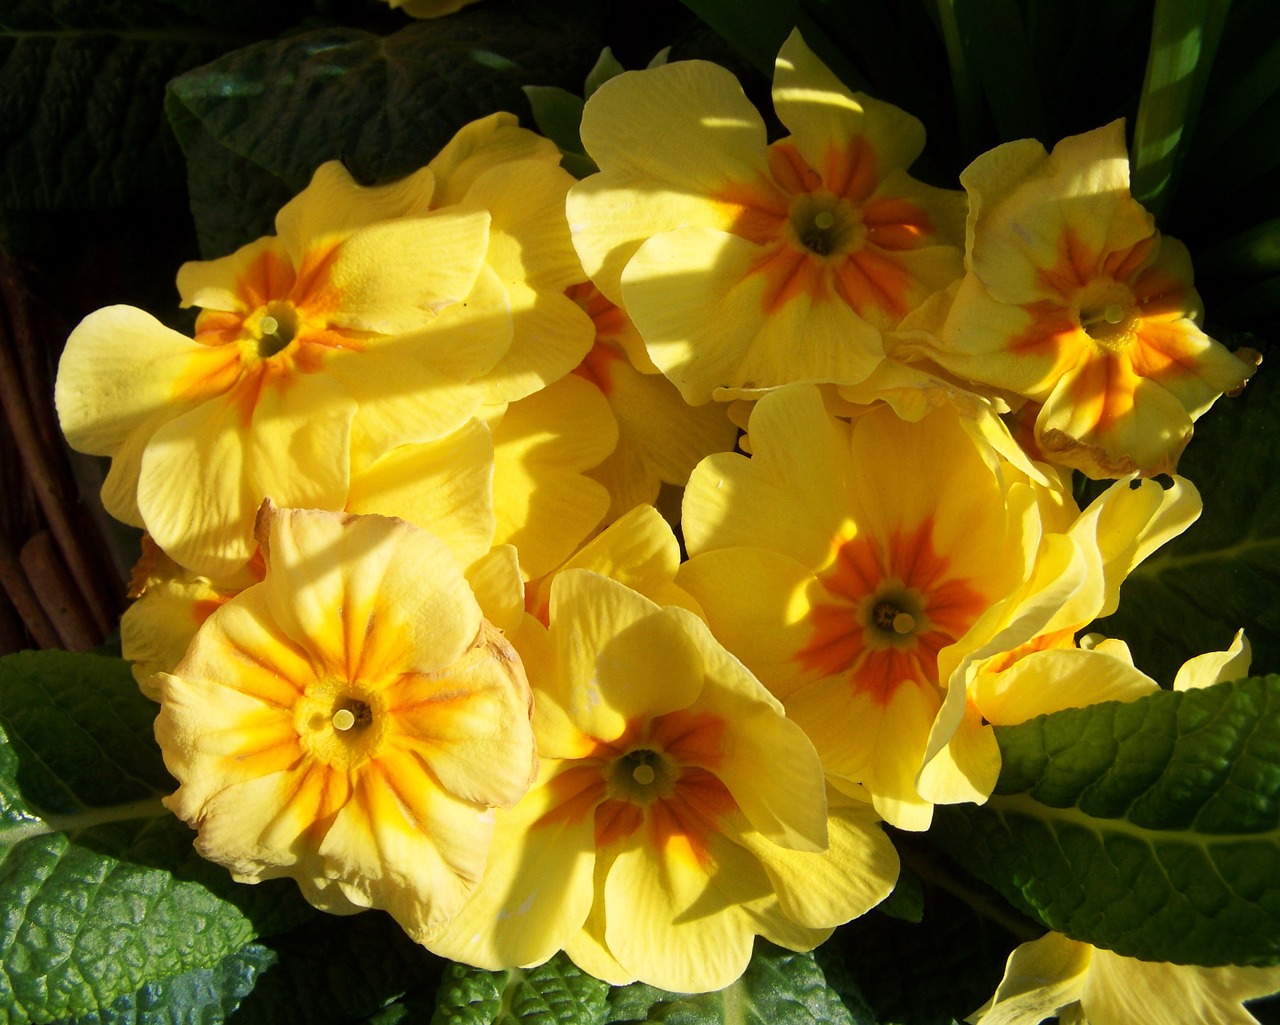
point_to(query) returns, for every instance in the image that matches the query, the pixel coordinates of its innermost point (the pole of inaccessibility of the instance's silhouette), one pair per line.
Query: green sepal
(1151, 828)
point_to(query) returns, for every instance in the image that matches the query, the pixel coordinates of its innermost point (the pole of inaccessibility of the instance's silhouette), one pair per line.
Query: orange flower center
(891, 608)
(658, 775)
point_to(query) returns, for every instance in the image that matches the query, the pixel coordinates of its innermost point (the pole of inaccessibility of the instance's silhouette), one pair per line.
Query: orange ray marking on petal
(610, 320)
(268, 746)
(269, 277)
(219, 327)
(1162, 349)
(869, 281)
(680, 824)
(403, 777)
(790, 170)
(575, 793)
(1076, 266)
(313, 290)
(317, 795)
(1101, 393)
(597, 366)
(896, 224)
(1123, 264)
(1158, 293)
(616, 820)
(203, 608)
(851, 170)
(275, 686)
(790, 272)
(1065, 638)
(842, 641)
(210, 372)
(692, 738)
(757, 211)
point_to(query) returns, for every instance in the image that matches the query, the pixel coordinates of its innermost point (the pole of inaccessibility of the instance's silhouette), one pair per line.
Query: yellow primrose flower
(1075, 301)
(298, 333)
(1086, 985)
(725, 249)
(867, 572)
(660, 436)
(653, 846)
(351, 721)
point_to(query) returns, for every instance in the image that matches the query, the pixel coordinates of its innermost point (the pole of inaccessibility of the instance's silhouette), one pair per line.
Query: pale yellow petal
(332, 576)
(1040, 978)
(650, 182)
(619, 656)
(480, 145)
(498, 586)
(333, 203)
(828, 888)
(536, 890)
(118, 375)
(677, 926)
(1216, 666)
(444, 486)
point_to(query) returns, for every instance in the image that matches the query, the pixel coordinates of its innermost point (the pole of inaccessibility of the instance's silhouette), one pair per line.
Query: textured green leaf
(334, 971)
(1151, 827)
(204, 996)
(255, 123)
(779, 986)
(554, 993)
(1224, 572)
(101, 892)
(1000, 55)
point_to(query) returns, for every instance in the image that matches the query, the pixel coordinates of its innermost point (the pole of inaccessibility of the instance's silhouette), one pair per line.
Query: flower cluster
(421, 638)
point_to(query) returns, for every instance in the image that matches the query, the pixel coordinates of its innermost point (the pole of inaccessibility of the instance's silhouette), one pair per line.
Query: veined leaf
(101, 893)
(1151, 828)
(554, 993)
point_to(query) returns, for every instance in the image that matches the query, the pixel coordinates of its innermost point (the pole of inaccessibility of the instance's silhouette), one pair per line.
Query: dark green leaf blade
(554, 993)
(101, 892)
(1151, 828)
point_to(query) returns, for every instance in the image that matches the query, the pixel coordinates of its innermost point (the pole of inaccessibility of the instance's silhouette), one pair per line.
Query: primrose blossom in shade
(351, 721)
(1075, 302)
(660, 436)
(1086, 985)
(865, 571)
(724, 249)
(677, 813)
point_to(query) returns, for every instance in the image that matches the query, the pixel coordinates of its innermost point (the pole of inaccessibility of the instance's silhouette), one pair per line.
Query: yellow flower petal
(487, 142)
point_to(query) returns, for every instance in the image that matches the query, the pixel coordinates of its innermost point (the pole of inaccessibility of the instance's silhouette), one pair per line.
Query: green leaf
(1224, 572)
(554, 993)
(101, 892)
(1256, 250)
(778, 986)
(1151, 828)
(558, 115)
(1184, 39)
(256, 123)
(203, 996)
(999, 53)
